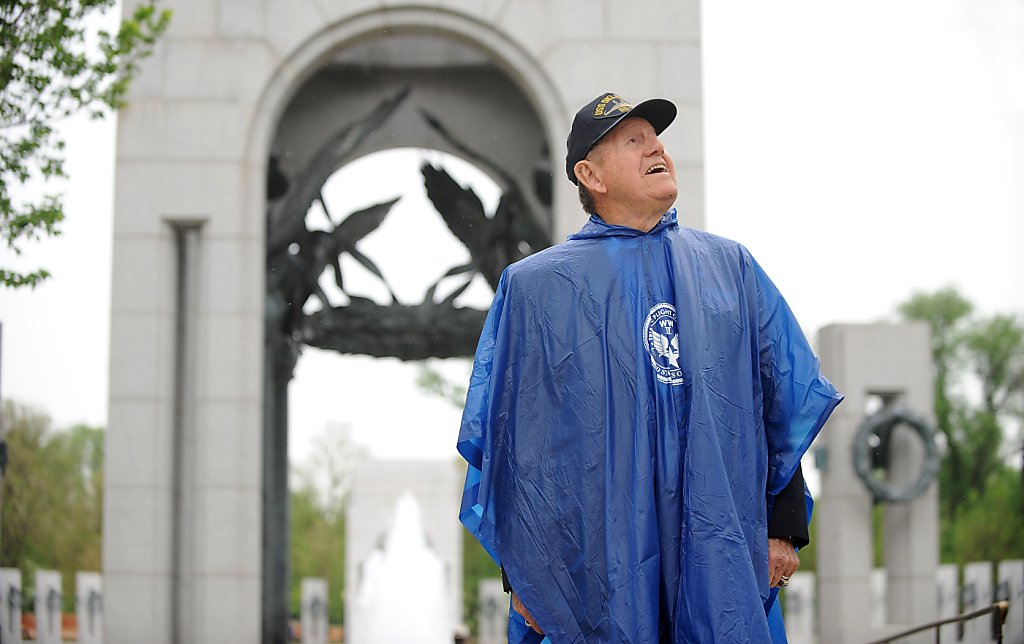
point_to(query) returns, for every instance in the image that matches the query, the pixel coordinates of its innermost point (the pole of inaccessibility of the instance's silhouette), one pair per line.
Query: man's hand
(519, 608)
(782, 561)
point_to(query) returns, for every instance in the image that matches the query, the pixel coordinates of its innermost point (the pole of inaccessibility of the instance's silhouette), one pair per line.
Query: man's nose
(656, 148)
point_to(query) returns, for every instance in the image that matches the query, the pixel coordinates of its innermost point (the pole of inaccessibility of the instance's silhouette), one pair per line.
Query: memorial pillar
(868, 364)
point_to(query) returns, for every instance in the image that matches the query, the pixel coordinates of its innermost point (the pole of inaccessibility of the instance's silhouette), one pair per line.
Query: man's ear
(587, 174)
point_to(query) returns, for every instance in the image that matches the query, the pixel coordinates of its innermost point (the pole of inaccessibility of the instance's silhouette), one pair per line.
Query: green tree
(996, 350)
(432, 381)
(48, 72)
(52, 494)
(317, 550)
(946, 313)
(318, 495)
(973, 355)
(991, 527)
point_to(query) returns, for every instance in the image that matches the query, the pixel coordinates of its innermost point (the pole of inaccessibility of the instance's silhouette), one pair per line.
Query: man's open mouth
(656, 168)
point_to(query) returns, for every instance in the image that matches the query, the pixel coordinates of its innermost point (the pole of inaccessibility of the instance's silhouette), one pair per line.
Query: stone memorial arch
(244, 106)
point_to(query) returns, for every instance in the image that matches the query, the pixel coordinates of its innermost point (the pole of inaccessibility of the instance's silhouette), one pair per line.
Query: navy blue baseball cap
(599, 116)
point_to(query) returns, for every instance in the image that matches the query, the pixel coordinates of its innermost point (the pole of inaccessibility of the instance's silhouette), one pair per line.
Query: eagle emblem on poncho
(661, 340)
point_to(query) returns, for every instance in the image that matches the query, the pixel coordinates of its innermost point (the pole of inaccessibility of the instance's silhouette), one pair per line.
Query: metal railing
(998, 611)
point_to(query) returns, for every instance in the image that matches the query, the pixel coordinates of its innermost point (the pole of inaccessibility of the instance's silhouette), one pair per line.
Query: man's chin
(666, 191)
(668, 198)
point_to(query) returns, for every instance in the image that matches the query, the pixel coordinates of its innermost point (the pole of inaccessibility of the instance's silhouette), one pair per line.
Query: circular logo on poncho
(661, 339)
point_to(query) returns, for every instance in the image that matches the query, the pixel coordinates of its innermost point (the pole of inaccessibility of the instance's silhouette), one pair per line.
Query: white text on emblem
(661, 339)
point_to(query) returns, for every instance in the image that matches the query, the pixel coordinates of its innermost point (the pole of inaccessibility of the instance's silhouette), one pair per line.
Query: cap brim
(658, 112)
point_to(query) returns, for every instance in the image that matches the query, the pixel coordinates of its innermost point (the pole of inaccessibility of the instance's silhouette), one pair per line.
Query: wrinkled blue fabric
(622, 460)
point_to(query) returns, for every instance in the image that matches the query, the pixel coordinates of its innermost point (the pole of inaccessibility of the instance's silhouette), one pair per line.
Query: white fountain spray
(403, 597)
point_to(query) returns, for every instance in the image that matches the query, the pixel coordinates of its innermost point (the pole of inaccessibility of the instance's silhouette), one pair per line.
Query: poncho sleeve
(797, 397)
(476, 512)
(797, 401)
(478, 507)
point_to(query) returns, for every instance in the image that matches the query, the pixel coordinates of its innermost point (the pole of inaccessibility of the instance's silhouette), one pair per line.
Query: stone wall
(183, 496)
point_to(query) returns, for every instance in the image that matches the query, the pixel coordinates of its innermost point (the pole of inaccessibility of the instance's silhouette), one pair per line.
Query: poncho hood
(597, 227)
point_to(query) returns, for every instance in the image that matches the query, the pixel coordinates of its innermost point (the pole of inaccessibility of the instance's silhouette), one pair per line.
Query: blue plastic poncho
(636, 400)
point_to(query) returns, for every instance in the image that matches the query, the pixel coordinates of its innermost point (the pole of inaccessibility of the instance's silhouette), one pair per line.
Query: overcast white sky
(861, 150)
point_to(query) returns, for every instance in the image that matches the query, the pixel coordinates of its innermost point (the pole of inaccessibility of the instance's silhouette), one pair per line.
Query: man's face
(634, 165)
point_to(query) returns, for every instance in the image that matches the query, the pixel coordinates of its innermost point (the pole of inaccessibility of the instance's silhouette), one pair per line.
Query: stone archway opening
(412, 223)
(346, 411)
(393, 253)
(431, 100)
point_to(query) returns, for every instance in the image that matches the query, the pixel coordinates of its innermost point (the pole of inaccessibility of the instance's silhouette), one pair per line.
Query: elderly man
(639, 404)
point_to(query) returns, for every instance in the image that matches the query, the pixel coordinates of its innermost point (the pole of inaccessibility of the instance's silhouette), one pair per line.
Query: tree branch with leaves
(48, 72)
(979, 400)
